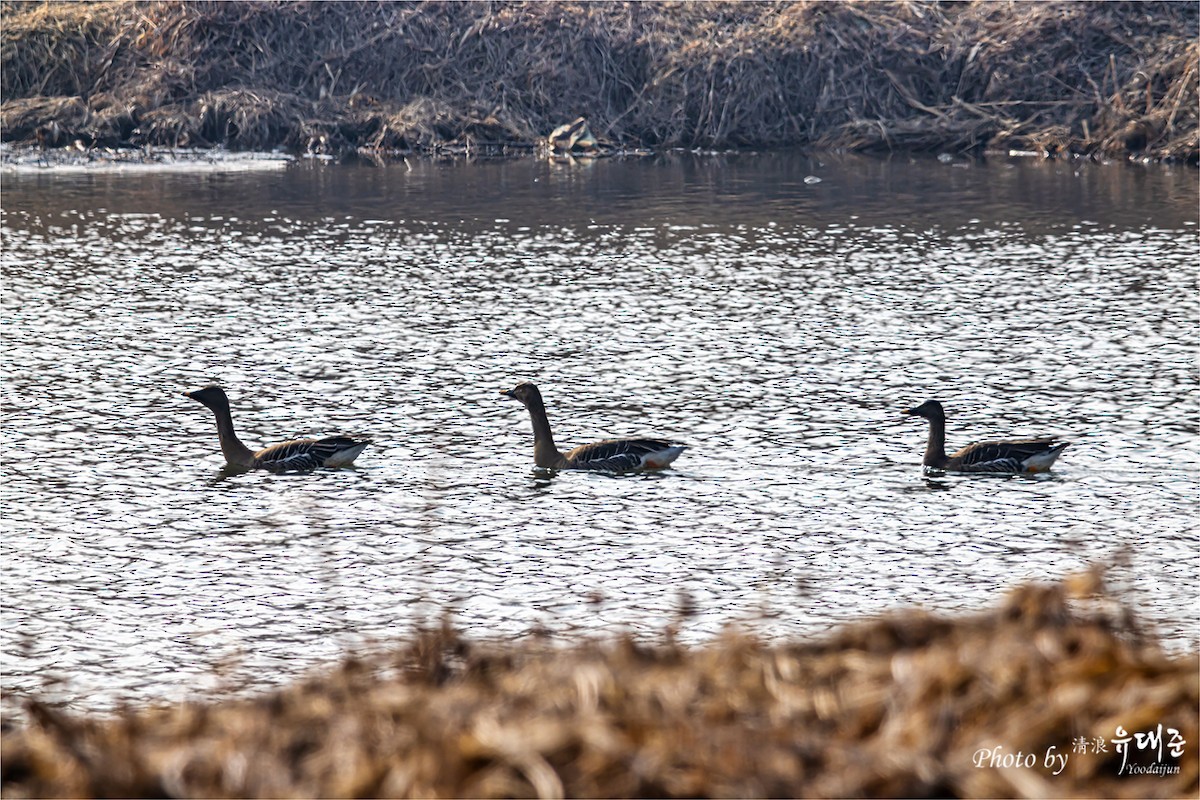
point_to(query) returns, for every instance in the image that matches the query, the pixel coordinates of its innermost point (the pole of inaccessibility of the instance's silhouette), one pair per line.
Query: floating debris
(575, 137)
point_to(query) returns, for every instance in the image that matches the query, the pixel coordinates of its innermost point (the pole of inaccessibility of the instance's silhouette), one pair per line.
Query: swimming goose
(610, 455)
(1014, 455)
(332, 451)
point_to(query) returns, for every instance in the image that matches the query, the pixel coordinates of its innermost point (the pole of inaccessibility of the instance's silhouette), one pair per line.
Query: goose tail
(1040, 462)
(658, 459)
(344, 456)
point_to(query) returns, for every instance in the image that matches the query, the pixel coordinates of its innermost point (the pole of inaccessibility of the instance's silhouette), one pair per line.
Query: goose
(299, 454)
(610, 455)
(1013, 455)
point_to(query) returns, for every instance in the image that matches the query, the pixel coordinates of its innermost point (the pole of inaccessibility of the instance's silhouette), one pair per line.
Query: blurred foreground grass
(906, 705)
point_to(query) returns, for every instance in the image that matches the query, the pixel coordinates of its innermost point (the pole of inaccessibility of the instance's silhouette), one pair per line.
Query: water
(777, 325)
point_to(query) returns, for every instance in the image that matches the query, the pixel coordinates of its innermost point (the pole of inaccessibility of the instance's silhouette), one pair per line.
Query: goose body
(609, 455)
(296, 454)
(1011, 455)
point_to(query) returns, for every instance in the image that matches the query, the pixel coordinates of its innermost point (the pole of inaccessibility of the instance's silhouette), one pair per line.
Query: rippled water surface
(777, 325)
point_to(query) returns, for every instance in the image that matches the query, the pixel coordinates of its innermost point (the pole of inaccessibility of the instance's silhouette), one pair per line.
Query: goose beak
(506, 392)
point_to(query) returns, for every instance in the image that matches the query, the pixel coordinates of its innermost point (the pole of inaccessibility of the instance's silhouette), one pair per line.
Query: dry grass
(1094, 78)
(893, 707)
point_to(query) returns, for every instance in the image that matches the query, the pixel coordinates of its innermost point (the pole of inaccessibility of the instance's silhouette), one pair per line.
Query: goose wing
(304, 454)
(1001, 456)
(617, 455)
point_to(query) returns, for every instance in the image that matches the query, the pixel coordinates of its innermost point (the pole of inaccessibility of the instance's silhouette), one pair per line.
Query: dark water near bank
(776, 324)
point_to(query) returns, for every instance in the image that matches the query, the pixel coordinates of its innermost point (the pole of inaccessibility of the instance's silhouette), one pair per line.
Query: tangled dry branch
(1095, 78)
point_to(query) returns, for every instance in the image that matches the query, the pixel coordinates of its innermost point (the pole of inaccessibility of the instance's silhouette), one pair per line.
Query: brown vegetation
(894, 707)
(1054, 77)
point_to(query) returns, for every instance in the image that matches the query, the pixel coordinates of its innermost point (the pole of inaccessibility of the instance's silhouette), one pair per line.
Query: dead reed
(1095, 78)
(899, 706)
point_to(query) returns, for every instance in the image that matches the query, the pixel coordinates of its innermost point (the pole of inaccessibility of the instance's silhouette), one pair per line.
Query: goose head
(211, 396)
(930, 409)
(525, 392)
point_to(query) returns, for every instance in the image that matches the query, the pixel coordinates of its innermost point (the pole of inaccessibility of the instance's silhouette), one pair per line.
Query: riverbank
(1032, 698)
(1096, 79)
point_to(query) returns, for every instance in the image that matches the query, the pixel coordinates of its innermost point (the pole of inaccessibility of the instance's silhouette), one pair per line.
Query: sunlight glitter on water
(777, 327)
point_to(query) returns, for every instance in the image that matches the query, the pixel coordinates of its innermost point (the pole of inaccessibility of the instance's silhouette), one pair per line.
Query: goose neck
(545, 454)
(935, 451)
(232, 448)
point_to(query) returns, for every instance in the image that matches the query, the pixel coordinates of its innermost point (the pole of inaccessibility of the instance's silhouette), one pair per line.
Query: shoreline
(27, 159)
